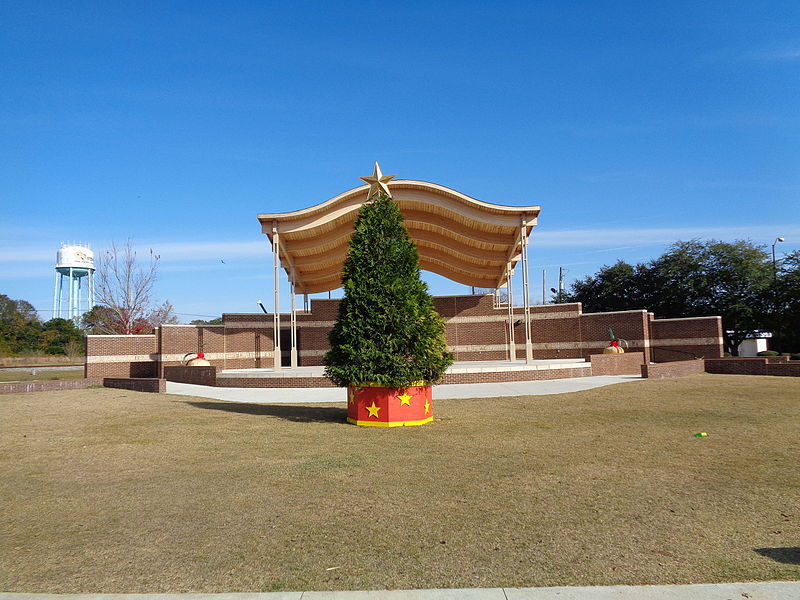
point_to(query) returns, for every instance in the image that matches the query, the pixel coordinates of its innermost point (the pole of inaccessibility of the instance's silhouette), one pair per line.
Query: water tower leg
(56, 295)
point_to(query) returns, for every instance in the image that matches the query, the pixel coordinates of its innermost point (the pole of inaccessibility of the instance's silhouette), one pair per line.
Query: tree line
(737, 281)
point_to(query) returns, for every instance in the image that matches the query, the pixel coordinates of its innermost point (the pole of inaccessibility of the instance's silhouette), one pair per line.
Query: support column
(293, 322)
(276, 317)
(525, 292)
(512, 345)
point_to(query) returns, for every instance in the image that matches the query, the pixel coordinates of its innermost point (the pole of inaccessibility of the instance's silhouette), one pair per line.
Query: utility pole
(560, 283)
(544, 286)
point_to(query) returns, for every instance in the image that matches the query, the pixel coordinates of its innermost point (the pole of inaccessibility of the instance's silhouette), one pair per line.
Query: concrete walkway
(440, 392)
(770, 590)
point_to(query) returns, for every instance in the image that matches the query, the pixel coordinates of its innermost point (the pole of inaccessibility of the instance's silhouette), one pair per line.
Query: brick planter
(372, 406)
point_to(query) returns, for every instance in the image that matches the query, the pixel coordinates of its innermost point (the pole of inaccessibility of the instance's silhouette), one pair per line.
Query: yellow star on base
(427, 407)
(373, 410)
(351, 397)
(378, 181)
(405, 399)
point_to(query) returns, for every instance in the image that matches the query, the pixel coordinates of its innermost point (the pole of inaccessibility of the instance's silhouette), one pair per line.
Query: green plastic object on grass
(701, 434)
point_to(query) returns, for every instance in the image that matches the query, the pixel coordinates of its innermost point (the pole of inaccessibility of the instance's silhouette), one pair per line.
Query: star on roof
(378, 181)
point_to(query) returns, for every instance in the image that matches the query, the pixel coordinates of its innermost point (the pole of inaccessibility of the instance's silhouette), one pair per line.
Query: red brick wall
(737, 366)
(679, 368)
(196, 375)
(136, 384)
(629, 363)
(786, 369)
(674, 338)
(106, 356)
(630, 325)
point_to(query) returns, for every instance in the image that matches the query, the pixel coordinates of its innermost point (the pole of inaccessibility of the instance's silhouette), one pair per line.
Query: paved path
(769, 590)
(472, 390)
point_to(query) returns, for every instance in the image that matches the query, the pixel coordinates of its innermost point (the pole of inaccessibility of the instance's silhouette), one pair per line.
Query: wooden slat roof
(466, 240)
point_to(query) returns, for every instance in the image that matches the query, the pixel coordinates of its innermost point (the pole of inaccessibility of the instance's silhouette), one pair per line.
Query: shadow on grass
(289, 412)
(789, 556)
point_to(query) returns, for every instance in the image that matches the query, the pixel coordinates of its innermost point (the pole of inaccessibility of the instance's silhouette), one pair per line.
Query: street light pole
(775, 281)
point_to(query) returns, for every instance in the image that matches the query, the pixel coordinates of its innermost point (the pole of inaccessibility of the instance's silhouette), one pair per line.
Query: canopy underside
(463, 239)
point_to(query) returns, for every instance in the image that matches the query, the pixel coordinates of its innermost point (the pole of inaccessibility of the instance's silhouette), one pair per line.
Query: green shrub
(795, 356)
(768, 353)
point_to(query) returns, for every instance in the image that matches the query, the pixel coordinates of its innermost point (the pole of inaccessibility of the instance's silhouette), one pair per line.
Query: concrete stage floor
(472, 390)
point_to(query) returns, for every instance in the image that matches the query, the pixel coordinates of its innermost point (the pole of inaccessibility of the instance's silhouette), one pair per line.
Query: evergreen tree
(387, 331)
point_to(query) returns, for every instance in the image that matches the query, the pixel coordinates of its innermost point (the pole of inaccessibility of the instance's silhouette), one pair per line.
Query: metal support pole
(293, 352)
(525, 293)
(276, 317)
(55, 296)
(512, 346)
(544, 286)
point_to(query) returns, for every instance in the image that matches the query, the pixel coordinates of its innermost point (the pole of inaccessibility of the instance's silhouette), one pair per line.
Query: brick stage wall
(630, 325)
(248, 341)
(680, 368)
(178, 340)
(629, 363)
(476, 330)
(121, 356)
(673, 338)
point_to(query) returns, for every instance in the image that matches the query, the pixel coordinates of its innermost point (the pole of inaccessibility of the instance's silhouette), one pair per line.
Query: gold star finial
(378, 181)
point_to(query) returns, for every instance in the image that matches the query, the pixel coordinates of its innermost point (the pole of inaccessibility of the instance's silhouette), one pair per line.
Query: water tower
(75, 264)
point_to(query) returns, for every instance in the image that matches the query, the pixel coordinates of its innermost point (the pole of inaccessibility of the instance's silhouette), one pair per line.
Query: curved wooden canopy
(461, 238)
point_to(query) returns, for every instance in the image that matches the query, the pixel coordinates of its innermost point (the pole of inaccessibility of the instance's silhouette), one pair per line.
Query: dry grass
(114, 491)
(36, 359)
(40, 375)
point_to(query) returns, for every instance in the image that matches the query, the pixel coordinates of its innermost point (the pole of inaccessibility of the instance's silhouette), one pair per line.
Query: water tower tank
(78, 258)
(75, 268)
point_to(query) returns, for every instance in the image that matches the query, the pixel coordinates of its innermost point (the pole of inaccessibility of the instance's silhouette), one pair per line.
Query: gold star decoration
(427, 407)
(405, 399)
(378, 181)
(351, 397)
(373, 410)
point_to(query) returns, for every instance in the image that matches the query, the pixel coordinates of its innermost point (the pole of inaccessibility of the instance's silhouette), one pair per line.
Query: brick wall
(679, 339)
(121, 356)
(475, 330)
(680, 368)
(737, 366)
(178, 340)
(629, 363)
(149, 384)
(20, 387)
(631, 325)
(195, 375)
(784, 369)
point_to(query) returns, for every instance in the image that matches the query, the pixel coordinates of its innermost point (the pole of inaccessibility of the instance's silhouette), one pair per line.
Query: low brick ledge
(678, 368)
(136, 384)
(50, 385)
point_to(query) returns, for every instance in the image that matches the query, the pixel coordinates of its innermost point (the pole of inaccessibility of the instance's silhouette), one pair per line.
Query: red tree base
(372, 406)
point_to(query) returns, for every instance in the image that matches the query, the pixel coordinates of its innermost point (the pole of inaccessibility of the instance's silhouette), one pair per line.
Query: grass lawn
(40, 375)
(114, 491)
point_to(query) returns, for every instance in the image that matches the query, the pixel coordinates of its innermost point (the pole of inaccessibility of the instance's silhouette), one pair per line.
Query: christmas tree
(387, 331)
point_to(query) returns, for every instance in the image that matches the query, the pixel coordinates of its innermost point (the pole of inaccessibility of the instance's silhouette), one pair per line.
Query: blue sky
(632, 124)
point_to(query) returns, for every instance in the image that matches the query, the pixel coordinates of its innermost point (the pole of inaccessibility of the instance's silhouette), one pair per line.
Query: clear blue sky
(632, 125)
